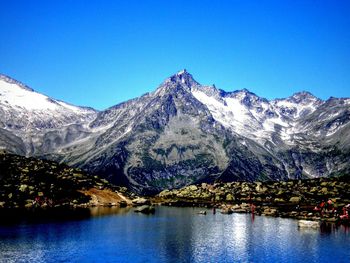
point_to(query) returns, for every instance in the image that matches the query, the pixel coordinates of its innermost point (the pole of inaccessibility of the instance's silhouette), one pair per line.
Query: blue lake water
(171, 235)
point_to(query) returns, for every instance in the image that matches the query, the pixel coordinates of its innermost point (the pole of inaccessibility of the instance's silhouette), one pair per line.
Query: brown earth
(105, 197)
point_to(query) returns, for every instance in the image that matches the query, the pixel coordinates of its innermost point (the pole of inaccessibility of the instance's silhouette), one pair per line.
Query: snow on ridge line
(228, 114)
(13, 94)
(10, 80)
(233, 114)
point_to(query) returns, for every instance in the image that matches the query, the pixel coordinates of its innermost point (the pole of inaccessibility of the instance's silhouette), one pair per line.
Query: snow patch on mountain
(252, 122)
(15, 95)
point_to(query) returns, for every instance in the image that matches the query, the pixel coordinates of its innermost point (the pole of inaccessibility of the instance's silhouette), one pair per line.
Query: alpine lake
(169, 235)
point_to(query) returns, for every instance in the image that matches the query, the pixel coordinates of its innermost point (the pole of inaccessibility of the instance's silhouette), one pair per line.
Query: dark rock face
(11, 142)
(185, 133)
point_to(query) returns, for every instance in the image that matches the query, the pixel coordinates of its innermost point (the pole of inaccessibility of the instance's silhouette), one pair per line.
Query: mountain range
(181, 133)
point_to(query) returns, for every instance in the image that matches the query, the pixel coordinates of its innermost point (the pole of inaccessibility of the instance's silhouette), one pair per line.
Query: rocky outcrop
(30, 182)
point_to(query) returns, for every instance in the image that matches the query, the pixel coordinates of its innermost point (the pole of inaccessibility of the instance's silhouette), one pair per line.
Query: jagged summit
(243, 93)
(303, 95)
(183, 78)
(186, 80)
(300, 96)
(182, 72)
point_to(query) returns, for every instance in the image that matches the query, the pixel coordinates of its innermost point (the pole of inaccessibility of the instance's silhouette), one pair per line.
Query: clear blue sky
(99, 53)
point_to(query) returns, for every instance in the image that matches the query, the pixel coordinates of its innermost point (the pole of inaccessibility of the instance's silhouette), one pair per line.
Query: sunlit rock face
(182, 133)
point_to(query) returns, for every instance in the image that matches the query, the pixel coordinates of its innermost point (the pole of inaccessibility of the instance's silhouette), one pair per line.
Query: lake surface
(171, 235)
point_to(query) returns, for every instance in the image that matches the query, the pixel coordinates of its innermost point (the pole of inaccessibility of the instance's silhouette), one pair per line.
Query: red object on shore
(316, 208)
(344, 217)
(252, 207)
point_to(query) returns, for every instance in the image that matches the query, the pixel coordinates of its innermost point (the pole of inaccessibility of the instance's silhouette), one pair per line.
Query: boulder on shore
(295, 199)
(308, 224)
(140, 201)
(123, 203)
(145, 209)
(226, 211)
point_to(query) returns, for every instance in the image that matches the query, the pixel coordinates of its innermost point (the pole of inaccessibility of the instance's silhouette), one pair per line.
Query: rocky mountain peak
(183, 78)
(303, 96)
(242, 93)
(247, 97)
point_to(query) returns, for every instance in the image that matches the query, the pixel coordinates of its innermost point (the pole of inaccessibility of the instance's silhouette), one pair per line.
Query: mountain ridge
(184, 132)
(7, 78)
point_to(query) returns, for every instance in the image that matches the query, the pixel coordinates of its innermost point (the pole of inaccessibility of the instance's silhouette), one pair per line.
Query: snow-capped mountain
(29, 119)
(182, 133)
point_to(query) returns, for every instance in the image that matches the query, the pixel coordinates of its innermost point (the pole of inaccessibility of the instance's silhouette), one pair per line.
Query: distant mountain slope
(184, 133)
(37, 123)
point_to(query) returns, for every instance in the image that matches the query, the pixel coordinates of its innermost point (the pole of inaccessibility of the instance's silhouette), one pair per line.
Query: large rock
(205, 195)
(308, 224)
(260, 188)
(123, 203)
(324, 190)
(140, 201)
(295, 199)
(270, 212)
(279, 200)
(165, 193)
(226, 211)
(229, 197)
(145, 209)
(193, 188)
(23, 187)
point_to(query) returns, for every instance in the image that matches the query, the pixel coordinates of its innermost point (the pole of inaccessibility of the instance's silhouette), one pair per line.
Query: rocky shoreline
(299, 199)
(35, 184)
